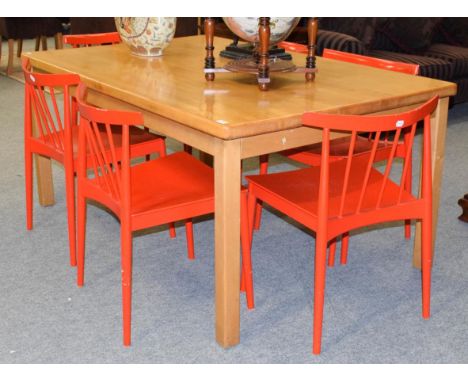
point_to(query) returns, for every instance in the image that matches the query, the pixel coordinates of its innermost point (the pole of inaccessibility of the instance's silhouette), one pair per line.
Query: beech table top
(173, 86)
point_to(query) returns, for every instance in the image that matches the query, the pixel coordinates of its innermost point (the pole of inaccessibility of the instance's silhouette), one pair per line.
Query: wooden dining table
(231, 119)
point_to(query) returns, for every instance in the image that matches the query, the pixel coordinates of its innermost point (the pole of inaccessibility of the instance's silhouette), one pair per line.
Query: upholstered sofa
(438, 45)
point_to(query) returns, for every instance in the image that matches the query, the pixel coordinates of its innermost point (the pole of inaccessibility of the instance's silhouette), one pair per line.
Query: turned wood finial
(264, 44)
(209, 26)
(312, 28)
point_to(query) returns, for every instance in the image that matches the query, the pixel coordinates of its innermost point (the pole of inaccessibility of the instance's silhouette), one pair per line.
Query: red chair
(380, 63)
(339, 196)
(55, 135)
(151, 193)
(91, 39)
(81, 40)
(293, 47)
(311, 154)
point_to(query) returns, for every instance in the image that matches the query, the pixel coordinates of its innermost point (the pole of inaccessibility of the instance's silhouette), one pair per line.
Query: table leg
(209, 58)
(438, 130)
(45, 184)
(227, 241)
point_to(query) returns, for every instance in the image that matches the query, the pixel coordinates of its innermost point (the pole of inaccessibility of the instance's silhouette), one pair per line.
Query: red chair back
(395, 66)
(80, 40)
(366, 190)
(41, 103)
(293, 47)
(110, 166)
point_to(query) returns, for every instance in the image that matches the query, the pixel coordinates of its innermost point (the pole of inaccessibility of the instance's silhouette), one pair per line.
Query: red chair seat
(139, 139)
(339, 148)
(177, 180)
(299, 190)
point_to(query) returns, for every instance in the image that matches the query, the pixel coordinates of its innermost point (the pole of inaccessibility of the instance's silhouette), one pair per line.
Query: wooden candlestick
(263, 56)
(312, 27)
(209, 59)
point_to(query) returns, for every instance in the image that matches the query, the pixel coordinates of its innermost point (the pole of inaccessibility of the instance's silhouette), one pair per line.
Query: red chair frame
(380, 63)
(54, 135)
(175, 187)
(311, 154)
(293, 47)
(91, 39)
(339, 196)
(81, 40)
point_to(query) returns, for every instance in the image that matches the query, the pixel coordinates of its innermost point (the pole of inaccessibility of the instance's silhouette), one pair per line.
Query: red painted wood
(338, 196)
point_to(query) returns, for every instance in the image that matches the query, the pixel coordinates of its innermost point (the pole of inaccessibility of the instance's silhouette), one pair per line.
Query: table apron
(159, 124)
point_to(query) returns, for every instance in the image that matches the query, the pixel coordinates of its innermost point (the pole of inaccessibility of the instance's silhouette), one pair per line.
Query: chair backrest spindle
(349, 161)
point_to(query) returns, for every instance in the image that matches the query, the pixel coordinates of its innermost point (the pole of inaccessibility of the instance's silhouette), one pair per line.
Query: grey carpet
(372, 307)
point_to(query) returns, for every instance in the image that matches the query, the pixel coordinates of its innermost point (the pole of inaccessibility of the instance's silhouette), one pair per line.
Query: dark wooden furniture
(19, 28)
(440, 49)
(186, 26)
(463, 203)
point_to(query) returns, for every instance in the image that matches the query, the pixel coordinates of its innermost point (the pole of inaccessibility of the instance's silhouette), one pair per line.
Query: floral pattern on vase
(146, 36)
(247, 27)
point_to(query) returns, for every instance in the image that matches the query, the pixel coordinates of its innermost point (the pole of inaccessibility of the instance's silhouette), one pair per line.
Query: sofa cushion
(410, 34)
(29, 27)
(84, 25)
(457, 55)
(362, 28)
(462, 90)
(338, 41)
(454, 31)
(428, 66)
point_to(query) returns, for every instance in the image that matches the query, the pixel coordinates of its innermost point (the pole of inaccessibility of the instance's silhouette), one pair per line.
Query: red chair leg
(126, 243)
(70, 196)
(242, 285)
(426, 266)
(81, 212)
(331, 254)
(246, 254)
(258, 215)
(188, 149)
(162, 153)
(172, 230)
(251, 206)
(147, 156)
(344, 247)
(189, 235)
(319, 290)
(263, 159)
(29, 188)
(407, 229)
(408, 187)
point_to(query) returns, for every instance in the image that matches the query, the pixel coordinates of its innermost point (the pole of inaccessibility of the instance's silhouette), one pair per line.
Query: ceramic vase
(146, 36)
